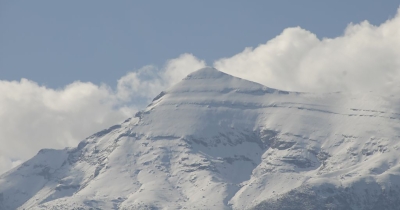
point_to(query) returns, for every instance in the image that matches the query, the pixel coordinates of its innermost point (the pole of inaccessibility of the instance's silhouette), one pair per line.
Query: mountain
(214, 141)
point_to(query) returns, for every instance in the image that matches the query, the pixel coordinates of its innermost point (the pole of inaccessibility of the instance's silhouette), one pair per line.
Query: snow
(214, 141)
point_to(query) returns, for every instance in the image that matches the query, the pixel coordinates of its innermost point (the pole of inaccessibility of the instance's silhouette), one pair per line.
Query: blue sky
(57, 42)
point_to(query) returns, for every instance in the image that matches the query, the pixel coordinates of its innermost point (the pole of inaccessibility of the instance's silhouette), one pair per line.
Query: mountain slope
(214, 141)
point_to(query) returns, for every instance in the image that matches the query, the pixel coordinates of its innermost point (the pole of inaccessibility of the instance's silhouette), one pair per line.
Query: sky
(55, 43)
(71, 68)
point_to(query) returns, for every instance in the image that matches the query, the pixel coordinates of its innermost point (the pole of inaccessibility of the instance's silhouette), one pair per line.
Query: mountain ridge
(214, 141)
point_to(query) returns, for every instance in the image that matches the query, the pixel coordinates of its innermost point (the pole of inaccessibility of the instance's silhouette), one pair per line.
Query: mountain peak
(206, 73)
(209, 79)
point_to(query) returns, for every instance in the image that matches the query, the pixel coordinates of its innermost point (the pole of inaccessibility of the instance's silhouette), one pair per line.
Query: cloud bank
(364, 58)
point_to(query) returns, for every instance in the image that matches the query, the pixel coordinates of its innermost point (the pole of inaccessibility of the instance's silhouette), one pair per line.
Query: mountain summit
(214, 141)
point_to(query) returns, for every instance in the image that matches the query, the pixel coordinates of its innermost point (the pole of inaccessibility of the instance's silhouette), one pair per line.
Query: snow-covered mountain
(214, 141)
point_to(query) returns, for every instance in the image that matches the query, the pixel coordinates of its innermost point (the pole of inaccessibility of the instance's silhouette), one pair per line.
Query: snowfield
(214, 141)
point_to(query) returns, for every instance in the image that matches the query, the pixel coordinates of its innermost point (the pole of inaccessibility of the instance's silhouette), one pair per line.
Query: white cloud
(179, 68)
(33, 117)
(149, 81)
(365, 57)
